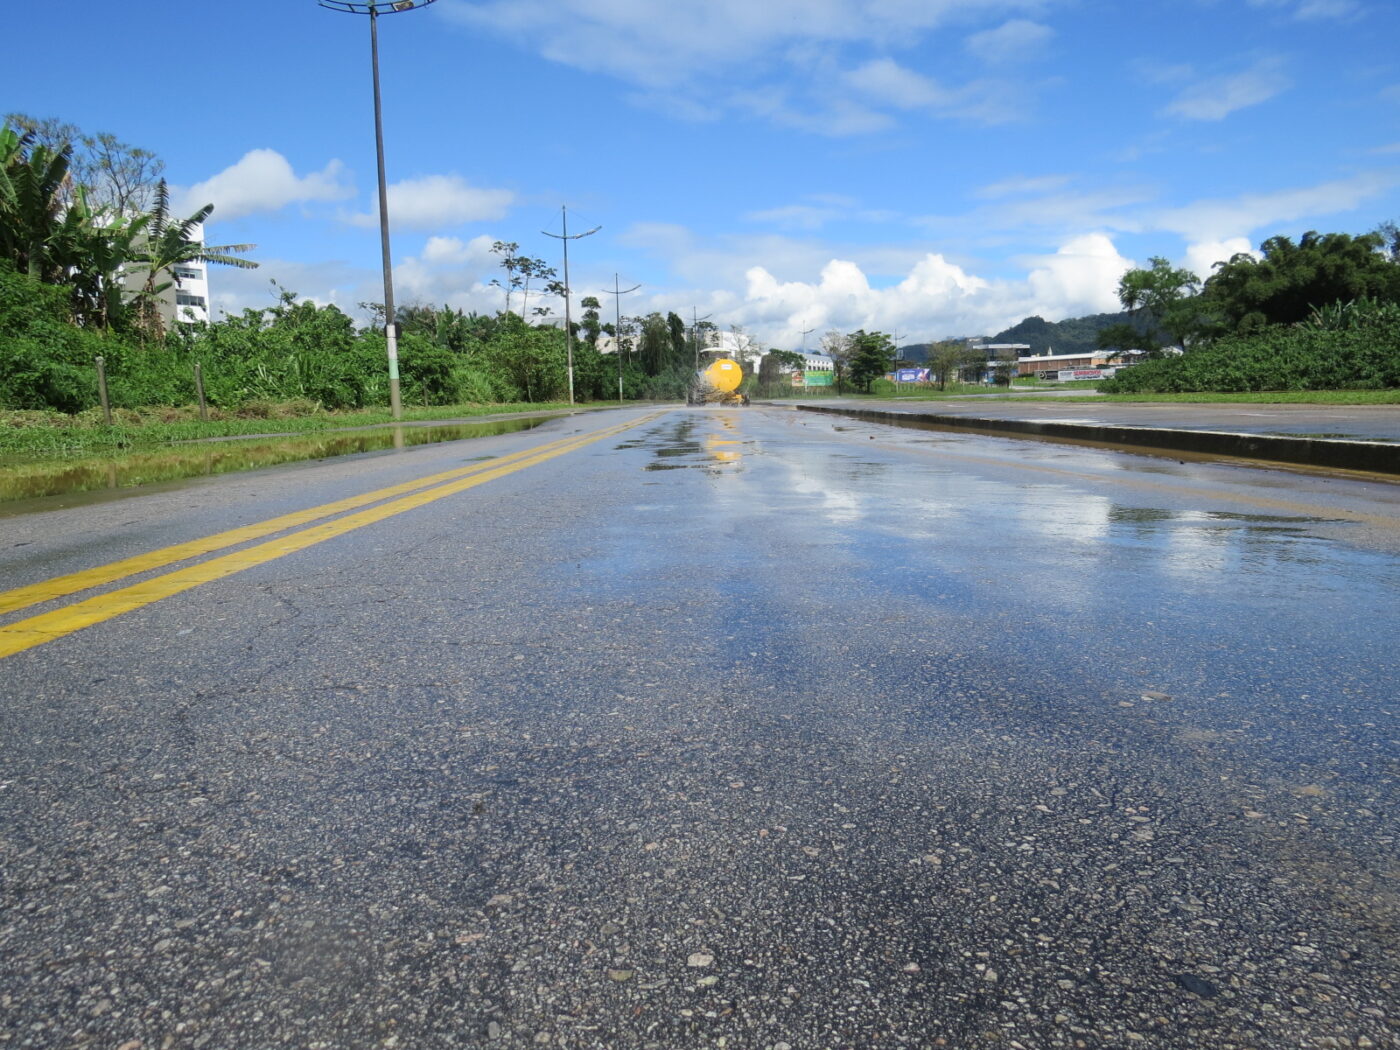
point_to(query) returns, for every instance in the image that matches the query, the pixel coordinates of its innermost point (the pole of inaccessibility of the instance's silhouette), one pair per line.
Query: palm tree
(170, 243)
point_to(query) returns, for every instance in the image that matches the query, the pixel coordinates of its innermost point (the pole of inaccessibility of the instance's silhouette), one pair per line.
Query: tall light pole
(391, 328)
(805, 333)
(617, 294)
(568, 316)
(695, 333)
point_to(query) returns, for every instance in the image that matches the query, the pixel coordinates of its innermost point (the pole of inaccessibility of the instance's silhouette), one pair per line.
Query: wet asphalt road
(754, 729)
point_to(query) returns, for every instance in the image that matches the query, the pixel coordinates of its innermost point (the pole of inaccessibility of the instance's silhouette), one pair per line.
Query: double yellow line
(45, 627)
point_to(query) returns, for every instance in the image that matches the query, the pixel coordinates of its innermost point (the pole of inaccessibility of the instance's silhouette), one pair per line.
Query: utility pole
(695, 333)
(568, 316)
(805, 333)
(391, 328)
(617, 294)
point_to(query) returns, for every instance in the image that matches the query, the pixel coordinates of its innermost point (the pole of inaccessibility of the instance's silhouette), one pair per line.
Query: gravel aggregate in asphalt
(740, 730)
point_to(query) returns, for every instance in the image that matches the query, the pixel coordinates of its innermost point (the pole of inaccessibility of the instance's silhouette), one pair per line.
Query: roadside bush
(427, 372)
(45, 362)
(1356, 349)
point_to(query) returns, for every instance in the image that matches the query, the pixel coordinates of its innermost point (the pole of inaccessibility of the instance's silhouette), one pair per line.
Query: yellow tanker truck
(717, 384)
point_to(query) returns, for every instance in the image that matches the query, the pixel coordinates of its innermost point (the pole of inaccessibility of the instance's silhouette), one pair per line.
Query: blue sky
(924, 167)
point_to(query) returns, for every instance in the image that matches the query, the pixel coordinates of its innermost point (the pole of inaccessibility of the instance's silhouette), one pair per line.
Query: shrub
(1353, 348)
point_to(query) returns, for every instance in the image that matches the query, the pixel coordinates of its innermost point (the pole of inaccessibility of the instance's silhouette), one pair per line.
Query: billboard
(911, 375)
(1069, 375)
(817, 378)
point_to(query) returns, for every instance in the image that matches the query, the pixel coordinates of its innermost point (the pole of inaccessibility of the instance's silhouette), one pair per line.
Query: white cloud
(1312, 10)
(933, 297)
(836, 117)
(453, 251)
(435, 201)
(1018, 185)
(1015, 41)
(698, 59)
(1215, 98)
(817, 210)
(452, 272)
(1083, 275)
(1222, 219)
(663, 46)
(883, 81)
(262, 181)
(1201, 256)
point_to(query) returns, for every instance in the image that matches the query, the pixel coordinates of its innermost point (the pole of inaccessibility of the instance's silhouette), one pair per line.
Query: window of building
(184, 299)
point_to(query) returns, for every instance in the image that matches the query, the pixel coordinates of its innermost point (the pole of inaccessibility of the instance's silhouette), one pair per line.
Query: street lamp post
(568, 316)
(617, 293)
(695, 333)
(391, 328)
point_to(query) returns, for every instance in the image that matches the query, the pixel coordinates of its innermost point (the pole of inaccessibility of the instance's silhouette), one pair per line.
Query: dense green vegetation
(88, 245)
(1355, 345)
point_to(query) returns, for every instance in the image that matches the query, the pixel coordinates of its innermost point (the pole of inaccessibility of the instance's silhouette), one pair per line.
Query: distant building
(1030, 366)
(985, 371)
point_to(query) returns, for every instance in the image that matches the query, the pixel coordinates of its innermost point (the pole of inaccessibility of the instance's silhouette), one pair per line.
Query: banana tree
(36, 194)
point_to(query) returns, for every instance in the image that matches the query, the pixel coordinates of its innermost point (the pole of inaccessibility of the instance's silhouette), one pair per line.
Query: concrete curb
(1372, 456)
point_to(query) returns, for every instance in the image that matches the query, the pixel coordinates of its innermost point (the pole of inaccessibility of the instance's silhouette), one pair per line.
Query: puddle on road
(676, 446)
(34, 479)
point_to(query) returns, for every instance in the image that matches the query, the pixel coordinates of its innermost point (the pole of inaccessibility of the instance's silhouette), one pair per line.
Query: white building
(187, 298)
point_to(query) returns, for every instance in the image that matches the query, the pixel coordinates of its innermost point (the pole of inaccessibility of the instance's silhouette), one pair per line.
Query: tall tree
(508, 251)
(770, 368)
(678, 340)
(872, 355)
(117, 176)
(531, 270)
(654, 348)
(837, 346)
(948, 357)
(1161, 294)
(1289, 280)
(590, 325)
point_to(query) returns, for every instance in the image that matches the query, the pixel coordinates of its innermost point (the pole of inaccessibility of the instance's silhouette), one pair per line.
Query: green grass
(55, 434)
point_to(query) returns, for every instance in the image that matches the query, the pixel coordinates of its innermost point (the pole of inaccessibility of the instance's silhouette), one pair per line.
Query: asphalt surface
(1354, 422)
(743, 728)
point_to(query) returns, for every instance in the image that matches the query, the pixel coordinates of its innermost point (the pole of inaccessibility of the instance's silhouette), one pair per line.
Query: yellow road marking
(36, 630)
(61, 586)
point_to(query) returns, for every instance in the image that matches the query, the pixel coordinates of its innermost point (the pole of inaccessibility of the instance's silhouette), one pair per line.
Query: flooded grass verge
(33, 435)
(29, 477)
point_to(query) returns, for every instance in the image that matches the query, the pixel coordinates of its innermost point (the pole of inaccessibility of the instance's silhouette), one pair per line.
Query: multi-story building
(187, 298)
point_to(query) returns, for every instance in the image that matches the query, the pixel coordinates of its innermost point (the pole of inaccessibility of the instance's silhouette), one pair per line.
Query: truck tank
(717, 384)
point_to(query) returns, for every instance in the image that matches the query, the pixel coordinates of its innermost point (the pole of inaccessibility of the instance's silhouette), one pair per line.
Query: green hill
(1074, 335)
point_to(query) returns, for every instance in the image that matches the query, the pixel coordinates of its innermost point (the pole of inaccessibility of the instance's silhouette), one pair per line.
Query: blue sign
(911, 375)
